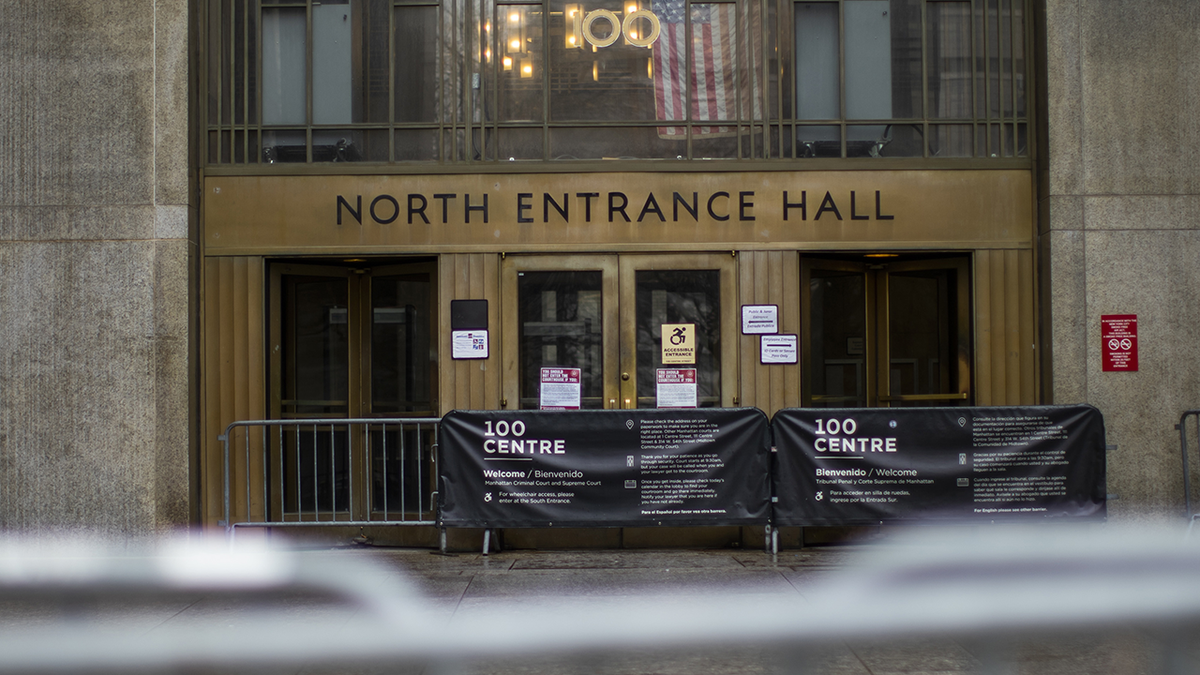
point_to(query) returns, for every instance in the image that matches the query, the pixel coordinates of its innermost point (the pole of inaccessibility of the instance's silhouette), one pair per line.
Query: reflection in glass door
(670, 297)
(604, 314)
(561, 324)
(351, 342)
(891, 331)
(315, 383)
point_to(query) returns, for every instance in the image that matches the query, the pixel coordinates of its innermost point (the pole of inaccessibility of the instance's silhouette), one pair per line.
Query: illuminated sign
(585, 25)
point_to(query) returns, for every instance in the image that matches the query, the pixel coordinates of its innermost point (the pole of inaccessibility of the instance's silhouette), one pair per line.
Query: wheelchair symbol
(678, 336)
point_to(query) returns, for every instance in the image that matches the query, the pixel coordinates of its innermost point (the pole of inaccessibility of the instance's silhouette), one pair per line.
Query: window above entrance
(458, 81)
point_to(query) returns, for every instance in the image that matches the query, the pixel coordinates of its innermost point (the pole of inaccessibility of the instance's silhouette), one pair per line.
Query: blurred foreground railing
(238, 608)
(322, 472)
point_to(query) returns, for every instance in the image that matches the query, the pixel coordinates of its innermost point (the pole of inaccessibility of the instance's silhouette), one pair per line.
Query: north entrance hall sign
(564, 211)
(718, 206)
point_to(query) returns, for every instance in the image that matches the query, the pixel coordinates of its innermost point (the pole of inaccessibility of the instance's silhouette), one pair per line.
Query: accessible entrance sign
(604, 468)
(871, 465)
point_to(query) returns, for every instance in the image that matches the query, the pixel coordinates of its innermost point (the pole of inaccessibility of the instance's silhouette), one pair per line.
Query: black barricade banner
(868, 465)
(604, 468)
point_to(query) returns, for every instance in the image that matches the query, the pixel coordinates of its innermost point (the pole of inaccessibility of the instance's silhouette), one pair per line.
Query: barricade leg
(487, 541)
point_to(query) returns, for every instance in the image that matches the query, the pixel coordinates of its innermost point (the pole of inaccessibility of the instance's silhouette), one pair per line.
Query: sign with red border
(1118, 340)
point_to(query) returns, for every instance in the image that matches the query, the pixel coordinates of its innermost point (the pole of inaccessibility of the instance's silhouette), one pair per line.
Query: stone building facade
(103, 188)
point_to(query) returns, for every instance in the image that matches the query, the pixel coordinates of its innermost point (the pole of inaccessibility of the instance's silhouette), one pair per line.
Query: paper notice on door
(676, 387)
(560, 388)
(469, 344)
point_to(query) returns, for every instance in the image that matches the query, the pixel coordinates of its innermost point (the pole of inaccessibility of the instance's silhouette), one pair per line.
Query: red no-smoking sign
(1118, 336)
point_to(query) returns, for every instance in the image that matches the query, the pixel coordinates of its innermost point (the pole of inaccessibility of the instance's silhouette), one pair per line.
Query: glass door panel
(566, 309)
(561, 324)
(316, 346)
(352, 342)
(683, 288)
(314, 383)
(401, 368)
(679, 297)
(928, 350)
(604, 315)
(401, 375)
(837, 353)
(893, 333)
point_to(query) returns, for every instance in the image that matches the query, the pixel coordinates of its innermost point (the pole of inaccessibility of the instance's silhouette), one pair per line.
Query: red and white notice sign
(676, 387)
(560, 388)
(1118, 335)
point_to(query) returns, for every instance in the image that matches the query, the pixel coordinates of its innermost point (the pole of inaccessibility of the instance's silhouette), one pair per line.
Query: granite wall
(97, 232)
(1120, 231)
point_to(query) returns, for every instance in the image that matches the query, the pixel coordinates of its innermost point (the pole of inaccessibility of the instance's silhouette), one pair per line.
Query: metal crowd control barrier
(322, 472)
(272, 611)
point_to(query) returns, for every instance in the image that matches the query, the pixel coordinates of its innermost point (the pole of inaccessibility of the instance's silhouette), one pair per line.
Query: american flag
(719, 67)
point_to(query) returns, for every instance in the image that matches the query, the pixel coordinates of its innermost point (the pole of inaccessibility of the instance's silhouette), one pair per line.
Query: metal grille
(310, 472)
(424, 82)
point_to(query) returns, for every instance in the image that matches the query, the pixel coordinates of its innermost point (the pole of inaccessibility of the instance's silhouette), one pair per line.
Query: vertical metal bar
(225, 471)
(296, 463)
(365, 473)
(687, 78)
(468, 69)
(1012, 68)
(975, 49)
(282, 477)
(1001, 71)
(1187, 477)
(987, 77)
(841, 37)
(333, 470)
(739, 41)
(391, 88)
(455, 50)
(1027, 33)
(308, 95)
(421, 471)
(403, 503)
(316, 502)
(925, 80)
(258, 156)
(764, 79)
(246, 454)
(266, 474)
(545, 81)
(780, 71)
(442, 69)
(230, 82)
(246, 96)
(386, 505)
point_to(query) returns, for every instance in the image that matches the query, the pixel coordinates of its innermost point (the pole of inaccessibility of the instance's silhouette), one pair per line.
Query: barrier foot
(487, 541)
(442, 540)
